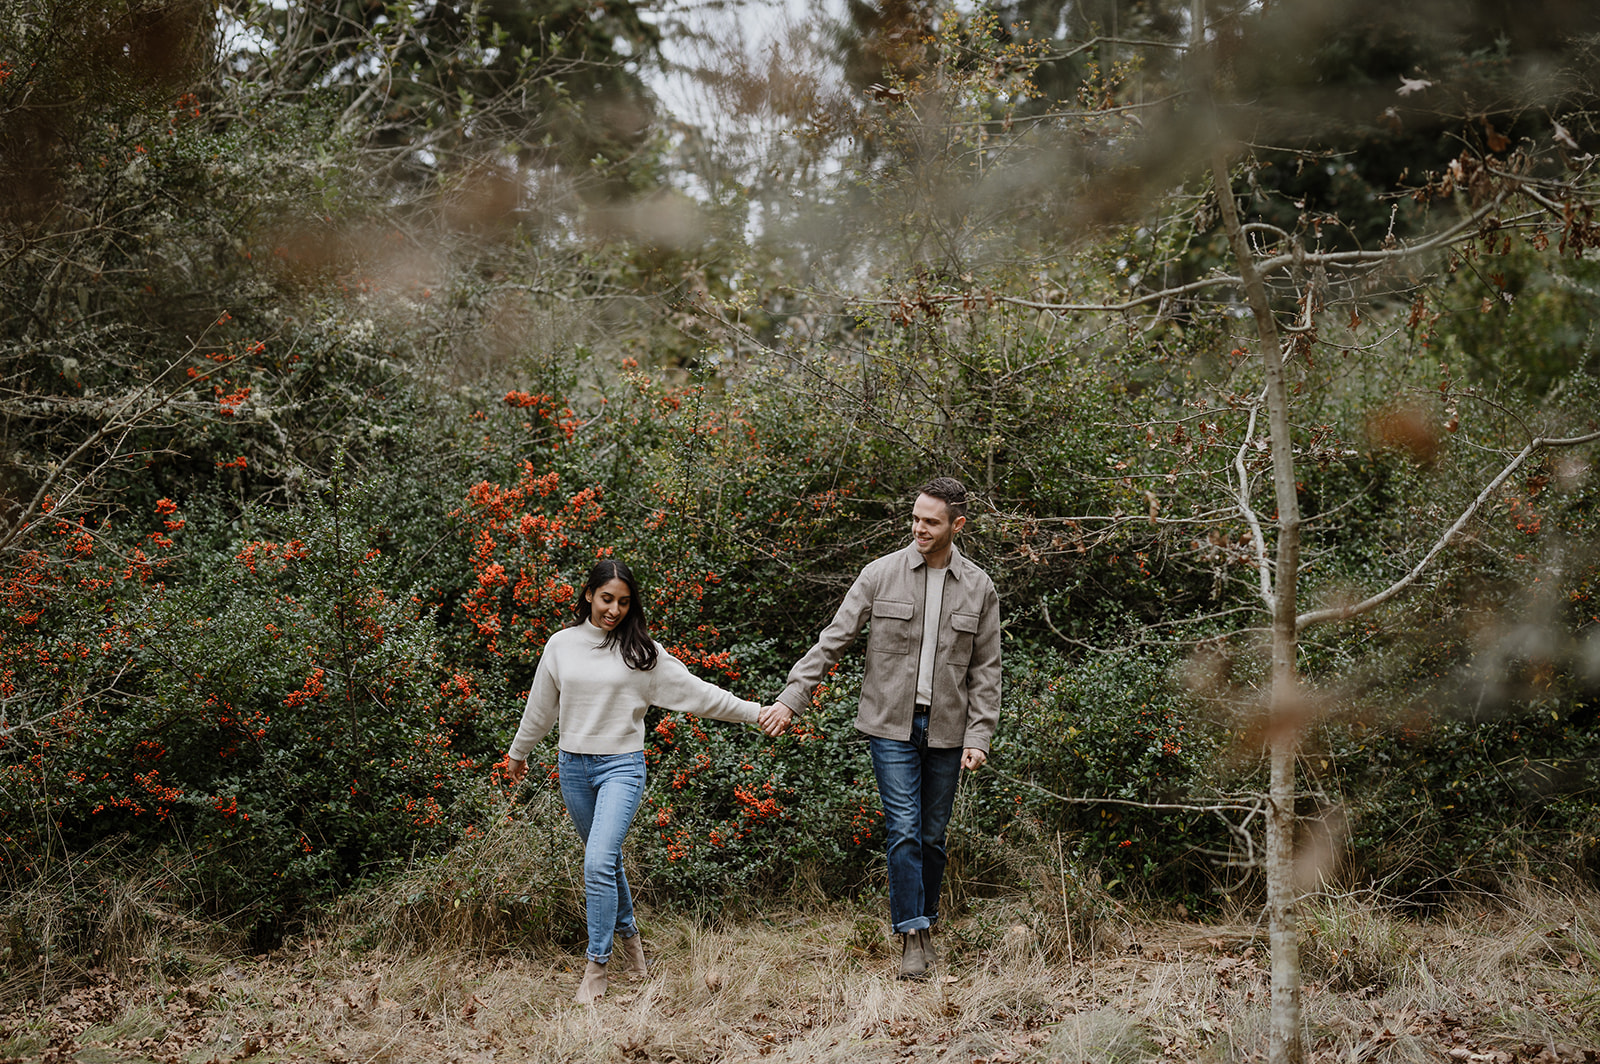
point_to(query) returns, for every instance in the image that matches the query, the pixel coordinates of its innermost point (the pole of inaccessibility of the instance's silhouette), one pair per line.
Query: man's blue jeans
(602, 792)
(918, 789)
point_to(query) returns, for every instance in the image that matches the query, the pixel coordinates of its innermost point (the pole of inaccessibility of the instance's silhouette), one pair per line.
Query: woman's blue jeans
(918, 788)
(602, 792)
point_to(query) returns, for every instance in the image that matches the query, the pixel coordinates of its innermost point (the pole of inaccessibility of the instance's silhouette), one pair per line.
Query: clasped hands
(775, 719)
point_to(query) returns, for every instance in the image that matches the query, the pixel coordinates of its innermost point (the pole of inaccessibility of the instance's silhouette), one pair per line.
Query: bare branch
(1186, 807)
(1257, 539)
(122, 419)
(1342, 613)
(1396, 254)
(1220, 280)
(1132, 42)
(1271, 264)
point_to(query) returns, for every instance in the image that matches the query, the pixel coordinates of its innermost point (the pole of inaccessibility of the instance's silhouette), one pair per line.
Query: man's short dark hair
(949, 491)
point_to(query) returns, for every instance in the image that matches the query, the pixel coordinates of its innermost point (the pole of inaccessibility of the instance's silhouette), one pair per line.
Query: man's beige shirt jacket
(966, 666)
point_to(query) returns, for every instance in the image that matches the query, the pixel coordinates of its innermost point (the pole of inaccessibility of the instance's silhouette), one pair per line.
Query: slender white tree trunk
(1283, 707)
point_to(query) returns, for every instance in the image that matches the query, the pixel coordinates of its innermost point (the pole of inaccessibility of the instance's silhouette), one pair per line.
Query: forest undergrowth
(1265, 339)
(1491, 979)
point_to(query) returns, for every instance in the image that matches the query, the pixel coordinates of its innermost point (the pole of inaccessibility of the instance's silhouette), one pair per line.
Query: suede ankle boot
(928, 955)
(913, 959)
(633, 954)
(594, 984)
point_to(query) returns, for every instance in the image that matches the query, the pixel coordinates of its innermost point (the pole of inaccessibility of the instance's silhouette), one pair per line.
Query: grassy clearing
(1515, 981)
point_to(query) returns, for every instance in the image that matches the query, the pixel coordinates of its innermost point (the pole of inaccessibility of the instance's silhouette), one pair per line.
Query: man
(930, 697)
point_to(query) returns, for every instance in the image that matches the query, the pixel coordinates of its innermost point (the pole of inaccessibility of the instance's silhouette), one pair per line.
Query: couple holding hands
(930, 699)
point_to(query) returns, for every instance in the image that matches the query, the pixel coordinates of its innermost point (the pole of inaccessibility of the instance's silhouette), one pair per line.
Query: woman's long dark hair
(633, 632)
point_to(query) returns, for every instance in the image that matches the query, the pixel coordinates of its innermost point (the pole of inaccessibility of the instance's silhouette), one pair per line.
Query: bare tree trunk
(1286, 1045)
(1283, 708)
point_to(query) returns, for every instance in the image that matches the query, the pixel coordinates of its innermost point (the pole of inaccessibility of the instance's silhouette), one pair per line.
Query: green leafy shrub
(279, 729)
(729, 811)
(1440, 801)
(77, 601)
(1089, 746)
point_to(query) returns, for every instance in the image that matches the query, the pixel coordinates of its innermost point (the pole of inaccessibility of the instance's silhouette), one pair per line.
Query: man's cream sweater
(600, 702)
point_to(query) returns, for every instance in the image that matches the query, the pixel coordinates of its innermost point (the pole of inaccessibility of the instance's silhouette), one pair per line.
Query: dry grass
(518, 883)
(1515, 981)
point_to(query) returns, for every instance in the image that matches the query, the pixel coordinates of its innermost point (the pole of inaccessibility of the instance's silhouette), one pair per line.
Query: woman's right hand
(515, 770)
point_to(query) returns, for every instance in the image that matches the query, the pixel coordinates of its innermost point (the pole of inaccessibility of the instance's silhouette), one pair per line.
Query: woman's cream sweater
(600, 703)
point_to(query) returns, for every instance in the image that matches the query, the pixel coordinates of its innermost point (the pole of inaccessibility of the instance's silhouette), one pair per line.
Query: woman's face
(608, 604)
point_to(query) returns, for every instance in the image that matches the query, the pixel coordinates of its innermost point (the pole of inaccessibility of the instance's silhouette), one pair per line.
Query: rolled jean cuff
(916, 923)
(631, 931)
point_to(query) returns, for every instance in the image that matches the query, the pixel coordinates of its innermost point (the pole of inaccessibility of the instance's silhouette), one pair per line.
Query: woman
(597, 677)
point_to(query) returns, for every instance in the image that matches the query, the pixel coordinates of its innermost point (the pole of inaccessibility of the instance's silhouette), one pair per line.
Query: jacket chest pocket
(963, 630)
(892, 628)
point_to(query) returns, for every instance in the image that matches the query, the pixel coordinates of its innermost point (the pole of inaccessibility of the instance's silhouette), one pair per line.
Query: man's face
(931, 527)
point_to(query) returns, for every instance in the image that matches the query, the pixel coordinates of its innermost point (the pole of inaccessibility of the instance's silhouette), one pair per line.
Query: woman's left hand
(515, 770)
